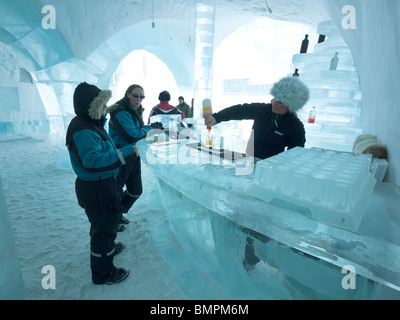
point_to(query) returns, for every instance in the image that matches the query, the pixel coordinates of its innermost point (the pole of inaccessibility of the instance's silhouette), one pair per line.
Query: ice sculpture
(11, 282)
(334, 187)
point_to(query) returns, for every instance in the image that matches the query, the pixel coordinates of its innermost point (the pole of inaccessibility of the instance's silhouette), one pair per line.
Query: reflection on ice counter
(217, 208)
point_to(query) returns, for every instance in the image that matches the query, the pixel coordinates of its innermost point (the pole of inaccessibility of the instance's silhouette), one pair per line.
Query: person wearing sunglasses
(126, 127)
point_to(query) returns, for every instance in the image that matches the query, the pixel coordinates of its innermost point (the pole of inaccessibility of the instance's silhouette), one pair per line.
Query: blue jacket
(125, 126)
(93, 154)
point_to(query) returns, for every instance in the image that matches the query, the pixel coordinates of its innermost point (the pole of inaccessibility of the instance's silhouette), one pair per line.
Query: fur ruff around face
(114, 107)
(96, 106)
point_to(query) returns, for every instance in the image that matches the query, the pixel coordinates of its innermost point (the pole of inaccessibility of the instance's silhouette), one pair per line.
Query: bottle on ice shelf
(312, 115)
(304, 45)
(334, 62)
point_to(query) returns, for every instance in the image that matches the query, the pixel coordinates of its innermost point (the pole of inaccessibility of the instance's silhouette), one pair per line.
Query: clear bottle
(296, 73)
(312, 115)
(334, 62)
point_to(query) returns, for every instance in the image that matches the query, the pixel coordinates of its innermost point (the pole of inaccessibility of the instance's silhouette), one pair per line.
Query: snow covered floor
(51, 229)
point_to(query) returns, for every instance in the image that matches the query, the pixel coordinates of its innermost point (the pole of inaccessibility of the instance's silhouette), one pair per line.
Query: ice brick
(334, 186)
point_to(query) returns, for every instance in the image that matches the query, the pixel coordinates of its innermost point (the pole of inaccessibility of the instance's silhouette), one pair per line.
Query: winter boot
(123, 220)
(119, 247)
(116, 275)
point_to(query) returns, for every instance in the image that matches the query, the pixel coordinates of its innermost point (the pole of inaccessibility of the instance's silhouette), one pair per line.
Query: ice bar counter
(316, 220)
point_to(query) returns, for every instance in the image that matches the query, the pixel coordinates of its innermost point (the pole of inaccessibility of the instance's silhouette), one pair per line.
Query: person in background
(164, 108)
(184, 107)
(96, 162)
(276, 127)
(126, 127)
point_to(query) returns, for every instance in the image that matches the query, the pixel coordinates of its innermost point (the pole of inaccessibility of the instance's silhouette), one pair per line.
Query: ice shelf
(212, 217)
(335, 94)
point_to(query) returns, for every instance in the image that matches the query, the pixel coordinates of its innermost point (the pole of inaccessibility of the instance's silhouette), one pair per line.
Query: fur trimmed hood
(293, 93)
(115, 107)
(89, 100)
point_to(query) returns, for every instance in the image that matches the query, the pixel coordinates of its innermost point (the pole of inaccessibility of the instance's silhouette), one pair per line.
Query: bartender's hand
(209, 121)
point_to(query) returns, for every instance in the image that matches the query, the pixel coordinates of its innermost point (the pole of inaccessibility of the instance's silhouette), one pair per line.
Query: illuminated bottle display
(207, 110)
(312, 115)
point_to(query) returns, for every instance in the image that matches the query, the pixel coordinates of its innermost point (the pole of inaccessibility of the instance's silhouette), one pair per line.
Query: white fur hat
(293, 93)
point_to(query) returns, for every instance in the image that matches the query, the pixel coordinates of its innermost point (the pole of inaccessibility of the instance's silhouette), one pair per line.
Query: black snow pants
(101, 201)
(130, 176)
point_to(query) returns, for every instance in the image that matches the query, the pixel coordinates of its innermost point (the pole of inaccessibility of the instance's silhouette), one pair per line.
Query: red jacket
(165, 108)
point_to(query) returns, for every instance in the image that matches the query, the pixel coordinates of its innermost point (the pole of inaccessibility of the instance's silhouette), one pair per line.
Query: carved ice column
(205, 21)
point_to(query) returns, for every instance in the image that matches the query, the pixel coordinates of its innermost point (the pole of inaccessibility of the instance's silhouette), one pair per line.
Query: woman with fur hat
(276, 125)
(275, 128)
(96, 162)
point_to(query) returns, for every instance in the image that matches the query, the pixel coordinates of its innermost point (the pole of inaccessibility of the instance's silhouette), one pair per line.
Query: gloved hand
(140, 110)
(157, 125)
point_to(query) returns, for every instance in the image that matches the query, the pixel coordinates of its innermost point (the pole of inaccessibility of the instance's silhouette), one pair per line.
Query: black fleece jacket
(272, 132)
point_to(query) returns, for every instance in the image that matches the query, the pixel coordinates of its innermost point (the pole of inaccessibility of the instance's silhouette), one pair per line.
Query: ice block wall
(335, 94)
(204, 51)
(11, 283)
(22, 110)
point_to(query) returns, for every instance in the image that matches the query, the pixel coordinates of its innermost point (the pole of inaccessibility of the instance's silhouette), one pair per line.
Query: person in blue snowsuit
(97, 162)
(126, 127)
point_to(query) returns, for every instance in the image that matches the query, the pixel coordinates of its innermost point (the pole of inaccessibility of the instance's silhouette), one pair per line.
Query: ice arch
(168, 48)
(46, 57)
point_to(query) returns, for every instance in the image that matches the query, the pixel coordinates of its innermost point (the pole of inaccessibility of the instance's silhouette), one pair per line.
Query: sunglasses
(137, 96)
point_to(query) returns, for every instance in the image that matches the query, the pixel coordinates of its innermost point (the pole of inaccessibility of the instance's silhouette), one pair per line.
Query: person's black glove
(157, 125)
(140, 110)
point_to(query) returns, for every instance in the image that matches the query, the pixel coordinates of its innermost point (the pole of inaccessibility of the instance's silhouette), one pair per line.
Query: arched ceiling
(84, 25)
(93, 18)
